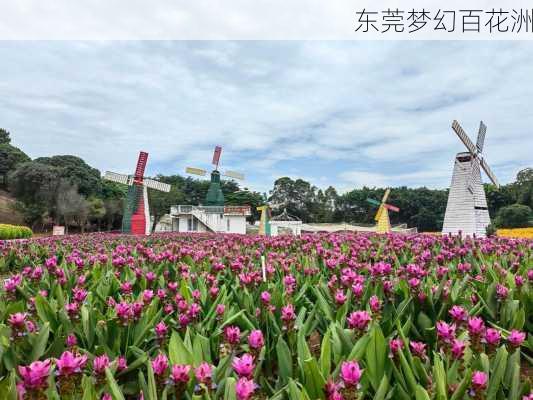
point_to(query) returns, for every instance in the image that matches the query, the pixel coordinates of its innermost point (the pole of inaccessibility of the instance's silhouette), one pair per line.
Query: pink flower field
(323, 316)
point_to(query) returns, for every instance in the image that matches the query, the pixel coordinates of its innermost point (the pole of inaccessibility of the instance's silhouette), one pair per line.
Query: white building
(285, 223)
(225, 219)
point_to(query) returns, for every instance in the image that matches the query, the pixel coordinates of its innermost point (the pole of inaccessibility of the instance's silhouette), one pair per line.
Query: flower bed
(521, 233)
(324, 316)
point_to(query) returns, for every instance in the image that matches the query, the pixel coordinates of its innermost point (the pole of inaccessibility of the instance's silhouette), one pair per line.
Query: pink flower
(479, 381)
(203, 373)
(287, 313)
(265, 297)
(395, 346)
(122, 364)
(17, 320)
(375, 303)
(501, 291)
(220, 309)
(458, 349)
(232, 334)
(35, 375)
(340, 297)
(476, 327)
(359, 320)
(160, 364)
(256, 340)
(350, 373)
(243, 366)
(516, 338)
(180, 373)
(418, 348)
(458, 314)
(161, 330)
(445, 332)
(69, 364)
(492, 337)
(106, 396)
(100, 364)
(71, 341)
(244, 388)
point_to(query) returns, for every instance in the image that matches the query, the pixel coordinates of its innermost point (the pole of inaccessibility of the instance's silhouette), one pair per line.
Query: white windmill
(466, 211)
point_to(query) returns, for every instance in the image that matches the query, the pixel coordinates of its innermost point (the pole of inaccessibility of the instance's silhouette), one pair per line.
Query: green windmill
(214, 196)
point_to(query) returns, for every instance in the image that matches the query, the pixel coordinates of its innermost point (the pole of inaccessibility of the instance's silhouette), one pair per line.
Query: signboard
(58, 230)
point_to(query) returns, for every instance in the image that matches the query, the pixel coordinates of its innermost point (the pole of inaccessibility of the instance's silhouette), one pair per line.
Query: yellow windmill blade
(385, 196)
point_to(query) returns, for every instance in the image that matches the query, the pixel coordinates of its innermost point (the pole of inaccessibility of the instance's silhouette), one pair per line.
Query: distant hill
(7, 214)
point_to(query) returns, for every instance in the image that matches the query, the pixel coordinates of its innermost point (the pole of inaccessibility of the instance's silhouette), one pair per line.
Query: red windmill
(136, 219)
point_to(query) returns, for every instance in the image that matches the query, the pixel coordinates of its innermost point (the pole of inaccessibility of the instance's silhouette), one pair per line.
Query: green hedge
(14, 232)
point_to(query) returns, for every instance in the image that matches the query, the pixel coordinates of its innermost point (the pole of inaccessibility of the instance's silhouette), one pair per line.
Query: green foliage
(4, 137)
(10, 158)
(514, 216)
(14, 232)
(490, 230)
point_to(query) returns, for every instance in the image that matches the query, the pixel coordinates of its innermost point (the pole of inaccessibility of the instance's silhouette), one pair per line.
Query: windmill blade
(373, 202)
(195, 171)
(216, 155)
(141, 165)
(385, 196)
(481, 136)
(234, 175)
(464, 137)
(390, 207)
(162, 187)
(473, 173)
(489, 173)
(119, 178)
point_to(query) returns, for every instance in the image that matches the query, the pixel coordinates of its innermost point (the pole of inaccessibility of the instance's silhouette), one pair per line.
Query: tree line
(64, 189)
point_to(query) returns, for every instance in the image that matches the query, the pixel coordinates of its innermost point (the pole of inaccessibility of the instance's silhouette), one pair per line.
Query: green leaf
(39, 342)
(376, 354)
(439, 375)
(463, 386)
(497, 373)
(325, 354)
(314, 381)
(116, 393)
(177, 352)
(229, 389)
(421, 393)
(284, 360)
(382, 389)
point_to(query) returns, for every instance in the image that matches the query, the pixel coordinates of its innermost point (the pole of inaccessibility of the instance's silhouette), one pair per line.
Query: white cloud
(339, 113)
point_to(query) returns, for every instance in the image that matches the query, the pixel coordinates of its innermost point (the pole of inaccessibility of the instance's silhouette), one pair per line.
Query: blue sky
(342, 113)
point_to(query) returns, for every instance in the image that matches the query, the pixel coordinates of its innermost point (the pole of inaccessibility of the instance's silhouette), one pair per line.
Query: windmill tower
(382, 216)
(466, 211)
(264, 221)
(136, 217)
(214, 196)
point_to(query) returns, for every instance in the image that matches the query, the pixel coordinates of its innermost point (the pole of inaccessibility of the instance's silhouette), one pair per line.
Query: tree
(76, 172)
(246, 197)
(10, 158)
(97, 210)
(35, 186)
(72, 206)
(4, 137)
(514, 216)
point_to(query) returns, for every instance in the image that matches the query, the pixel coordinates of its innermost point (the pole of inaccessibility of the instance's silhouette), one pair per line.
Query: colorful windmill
(382, 216)
(466, 211)
(264, 221)
(136, 219)
(214, 196)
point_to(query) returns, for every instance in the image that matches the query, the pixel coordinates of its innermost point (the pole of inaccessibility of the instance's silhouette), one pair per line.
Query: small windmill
(214, 196)
(466, 210)
(136, 218)
(382, 216)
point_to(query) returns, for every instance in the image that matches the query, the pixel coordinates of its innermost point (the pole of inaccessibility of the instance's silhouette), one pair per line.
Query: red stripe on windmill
(382, 216)
(136, 217)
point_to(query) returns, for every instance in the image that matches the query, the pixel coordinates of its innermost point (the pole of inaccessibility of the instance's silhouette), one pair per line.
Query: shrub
(14, 232)
(513, 216)
(490, 230)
